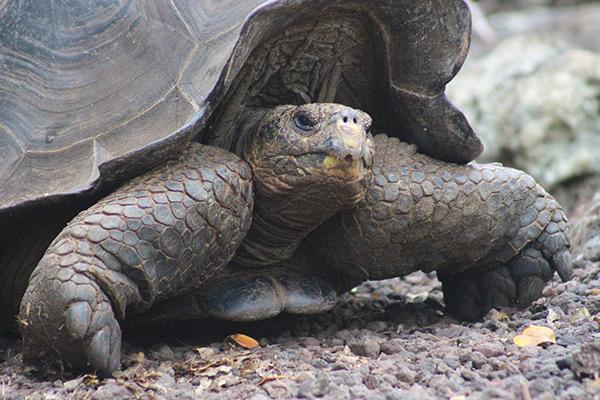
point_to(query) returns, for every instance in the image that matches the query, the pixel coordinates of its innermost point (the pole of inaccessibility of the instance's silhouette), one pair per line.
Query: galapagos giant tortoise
(214, 163)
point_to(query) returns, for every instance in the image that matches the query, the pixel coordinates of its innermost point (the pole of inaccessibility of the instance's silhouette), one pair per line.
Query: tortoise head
(322, 148)
(309, 162)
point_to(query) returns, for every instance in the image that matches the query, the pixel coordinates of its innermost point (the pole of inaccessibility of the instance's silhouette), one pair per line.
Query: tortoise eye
(304, 122)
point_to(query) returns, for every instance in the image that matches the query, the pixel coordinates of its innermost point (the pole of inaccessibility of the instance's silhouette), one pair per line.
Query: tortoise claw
(68, 318)
(103, 351)
(554, 243)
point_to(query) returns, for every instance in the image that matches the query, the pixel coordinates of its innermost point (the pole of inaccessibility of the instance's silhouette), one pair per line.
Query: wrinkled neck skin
(285, 210)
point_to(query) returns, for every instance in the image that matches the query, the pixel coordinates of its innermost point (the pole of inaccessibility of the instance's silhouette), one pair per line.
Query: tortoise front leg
(494, 236)
(163, 233)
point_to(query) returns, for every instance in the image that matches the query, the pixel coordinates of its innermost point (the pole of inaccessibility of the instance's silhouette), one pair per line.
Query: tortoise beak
(347, 168)
(349, 148)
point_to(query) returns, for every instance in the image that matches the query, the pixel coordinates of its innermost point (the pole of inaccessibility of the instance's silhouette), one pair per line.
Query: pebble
(392, 346)
(490, 349)
(309, 342)
(111, 391)
(367, 347)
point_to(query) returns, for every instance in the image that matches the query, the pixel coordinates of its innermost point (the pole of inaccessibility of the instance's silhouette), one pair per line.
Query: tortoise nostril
(348, 158)
(347, 116)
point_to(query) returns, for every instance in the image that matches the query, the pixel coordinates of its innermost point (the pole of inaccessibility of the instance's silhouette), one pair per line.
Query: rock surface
(536, 106)
(575, 24)
(586, 229)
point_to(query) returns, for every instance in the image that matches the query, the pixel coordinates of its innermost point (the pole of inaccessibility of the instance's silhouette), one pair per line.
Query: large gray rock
(579, 24)
(536, 106)
(586, 229)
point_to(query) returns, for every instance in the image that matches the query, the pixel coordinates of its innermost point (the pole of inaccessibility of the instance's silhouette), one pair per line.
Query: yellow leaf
(242, 340)
(534, 336)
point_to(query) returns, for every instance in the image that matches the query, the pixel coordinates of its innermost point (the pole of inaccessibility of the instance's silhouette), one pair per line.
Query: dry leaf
(242, 340)
(250, 366)
(214, 371)
(534, 336)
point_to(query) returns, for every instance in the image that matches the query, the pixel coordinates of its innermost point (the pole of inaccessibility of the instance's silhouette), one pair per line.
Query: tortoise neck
(245, 128)
(240, 127)
(281, 220)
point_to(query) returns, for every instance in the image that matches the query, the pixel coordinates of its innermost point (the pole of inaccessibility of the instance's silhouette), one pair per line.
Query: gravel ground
(386, 340)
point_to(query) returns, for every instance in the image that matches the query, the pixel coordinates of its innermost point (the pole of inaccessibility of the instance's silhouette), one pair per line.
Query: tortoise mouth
(346, 168)
(327, 165)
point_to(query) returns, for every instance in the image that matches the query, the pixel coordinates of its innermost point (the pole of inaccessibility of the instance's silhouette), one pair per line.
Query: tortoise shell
(93, 92)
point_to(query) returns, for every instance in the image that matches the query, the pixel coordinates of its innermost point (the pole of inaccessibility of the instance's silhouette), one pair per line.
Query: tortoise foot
(519, 282)
(470, 295)
(66, 316)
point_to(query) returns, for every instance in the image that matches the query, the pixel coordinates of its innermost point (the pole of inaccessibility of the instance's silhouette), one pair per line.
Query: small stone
(490, 349)
(163, 353)
(309, 342)
(111, 391)
(365, 347)
(478, 360)
(404, 374)
(392, 346)
(72, 384)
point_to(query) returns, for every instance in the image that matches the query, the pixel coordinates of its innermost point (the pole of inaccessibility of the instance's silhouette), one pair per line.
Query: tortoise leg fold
(494, 236)
(165, 232)
(248, 295)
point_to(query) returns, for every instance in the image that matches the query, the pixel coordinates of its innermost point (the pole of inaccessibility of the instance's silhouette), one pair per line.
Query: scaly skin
(460, 220)
(176, 228)
(302, 176)
(137, 246)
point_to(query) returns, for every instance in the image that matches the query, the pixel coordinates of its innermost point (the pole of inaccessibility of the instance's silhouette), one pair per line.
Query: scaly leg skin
(494, 236)
(165, 232)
